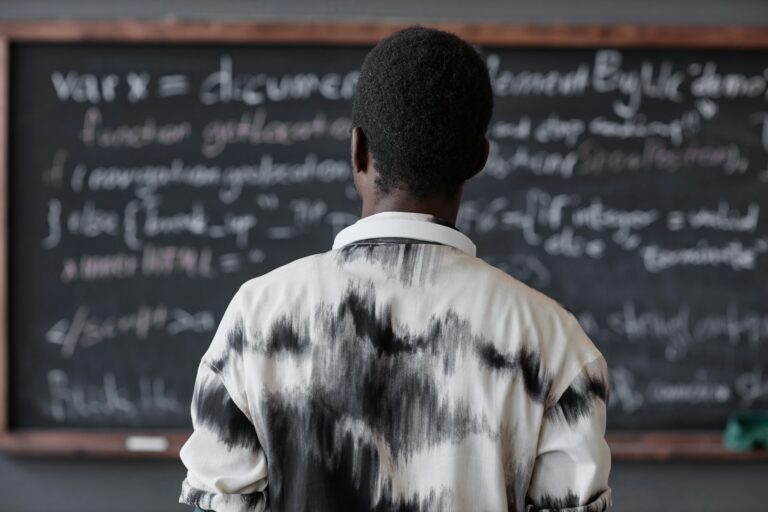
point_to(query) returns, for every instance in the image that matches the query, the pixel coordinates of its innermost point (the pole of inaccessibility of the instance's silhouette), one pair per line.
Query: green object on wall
(746, 431)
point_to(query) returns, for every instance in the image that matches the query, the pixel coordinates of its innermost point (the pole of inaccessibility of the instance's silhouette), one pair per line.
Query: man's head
(420, 112)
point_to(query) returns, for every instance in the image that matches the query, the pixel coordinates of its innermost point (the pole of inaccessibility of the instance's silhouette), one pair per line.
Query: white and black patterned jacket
(397, 372)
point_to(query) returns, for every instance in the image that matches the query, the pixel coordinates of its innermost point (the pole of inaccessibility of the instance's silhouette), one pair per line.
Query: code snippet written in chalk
(147, 182)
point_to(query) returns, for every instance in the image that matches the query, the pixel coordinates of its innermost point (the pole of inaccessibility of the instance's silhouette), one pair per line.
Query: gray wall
(153, 486)
(690, 12)
(33, 485)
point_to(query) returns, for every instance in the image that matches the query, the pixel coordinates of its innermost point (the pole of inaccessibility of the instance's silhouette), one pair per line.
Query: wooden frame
(646, 36)
(625, 445)
(4, 347)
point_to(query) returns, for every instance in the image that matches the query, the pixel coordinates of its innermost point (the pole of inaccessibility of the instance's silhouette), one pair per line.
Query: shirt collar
(418, 226)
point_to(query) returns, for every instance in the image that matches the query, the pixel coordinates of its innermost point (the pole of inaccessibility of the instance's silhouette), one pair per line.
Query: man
(397, 371)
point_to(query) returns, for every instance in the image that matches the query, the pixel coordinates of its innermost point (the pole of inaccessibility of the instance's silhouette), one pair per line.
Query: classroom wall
(35, 485)
(152, 486)
(688, 12)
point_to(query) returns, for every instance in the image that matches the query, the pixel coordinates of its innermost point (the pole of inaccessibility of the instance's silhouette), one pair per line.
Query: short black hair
(423, 101)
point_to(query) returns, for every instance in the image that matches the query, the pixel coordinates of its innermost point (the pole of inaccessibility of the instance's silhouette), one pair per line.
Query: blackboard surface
(148, 181)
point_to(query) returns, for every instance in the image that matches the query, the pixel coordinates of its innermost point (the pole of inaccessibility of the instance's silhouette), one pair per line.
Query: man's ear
(359, 150)
(483, 158)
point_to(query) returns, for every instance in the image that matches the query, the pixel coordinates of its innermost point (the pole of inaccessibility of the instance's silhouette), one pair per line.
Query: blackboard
(147, 180)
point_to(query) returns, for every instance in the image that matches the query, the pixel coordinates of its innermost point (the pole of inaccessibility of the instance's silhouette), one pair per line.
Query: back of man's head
(423, 102)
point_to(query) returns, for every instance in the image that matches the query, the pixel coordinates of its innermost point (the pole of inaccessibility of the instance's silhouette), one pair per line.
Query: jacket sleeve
(226, 465)
(573, 459)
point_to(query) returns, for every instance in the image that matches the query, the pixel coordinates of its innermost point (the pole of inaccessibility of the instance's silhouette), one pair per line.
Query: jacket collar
(417, 226)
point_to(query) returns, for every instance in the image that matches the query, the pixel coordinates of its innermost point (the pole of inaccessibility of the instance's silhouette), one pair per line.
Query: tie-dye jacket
(397, 372)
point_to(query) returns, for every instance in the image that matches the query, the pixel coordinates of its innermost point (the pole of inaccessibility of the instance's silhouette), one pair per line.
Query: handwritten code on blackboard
(148, 181)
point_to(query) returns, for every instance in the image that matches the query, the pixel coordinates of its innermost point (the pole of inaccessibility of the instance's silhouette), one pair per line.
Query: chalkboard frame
(625, 445)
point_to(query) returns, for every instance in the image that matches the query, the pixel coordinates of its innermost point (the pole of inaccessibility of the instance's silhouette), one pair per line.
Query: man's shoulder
(511, 290)
(286, 283)
(544, 323)
(292, 271)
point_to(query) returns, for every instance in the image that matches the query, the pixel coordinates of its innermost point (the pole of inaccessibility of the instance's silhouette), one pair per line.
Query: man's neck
(440, 207)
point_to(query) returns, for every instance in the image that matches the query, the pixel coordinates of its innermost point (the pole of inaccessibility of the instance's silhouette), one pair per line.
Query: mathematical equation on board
(225, 170)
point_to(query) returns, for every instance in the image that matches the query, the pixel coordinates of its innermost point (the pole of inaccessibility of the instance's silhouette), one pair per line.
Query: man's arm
(226, 465)
(573, 460)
